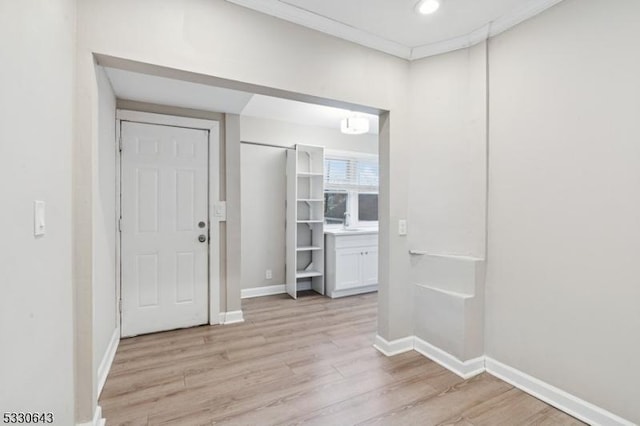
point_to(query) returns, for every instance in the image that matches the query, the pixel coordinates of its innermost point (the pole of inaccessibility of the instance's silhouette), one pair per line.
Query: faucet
(347, 220)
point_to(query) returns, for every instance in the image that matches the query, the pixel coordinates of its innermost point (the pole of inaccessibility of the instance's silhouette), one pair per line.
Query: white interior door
(164, 230)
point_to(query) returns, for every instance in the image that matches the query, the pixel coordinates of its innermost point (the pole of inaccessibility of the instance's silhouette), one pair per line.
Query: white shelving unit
(305, 219)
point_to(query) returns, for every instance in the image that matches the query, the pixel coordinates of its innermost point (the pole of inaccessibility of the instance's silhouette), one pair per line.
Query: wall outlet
(268, 274)
(402, 227)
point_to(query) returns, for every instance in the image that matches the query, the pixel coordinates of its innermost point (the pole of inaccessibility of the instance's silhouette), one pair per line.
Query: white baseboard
(248, 293)
(394, 347)
(97, 419)
(232, 317)
(352, 292)
(560, 399)
(464, 369)
(107, 360)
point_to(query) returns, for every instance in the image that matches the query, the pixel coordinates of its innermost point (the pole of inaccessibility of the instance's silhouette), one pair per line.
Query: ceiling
(167, 91)
(393, 26)
(140, 87)
(301, 113)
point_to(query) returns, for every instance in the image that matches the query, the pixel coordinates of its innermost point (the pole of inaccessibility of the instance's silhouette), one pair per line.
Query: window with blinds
(357, 172)
(351, 186)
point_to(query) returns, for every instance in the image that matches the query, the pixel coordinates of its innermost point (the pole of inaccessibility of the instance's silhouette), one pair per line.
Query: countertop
(354, 231)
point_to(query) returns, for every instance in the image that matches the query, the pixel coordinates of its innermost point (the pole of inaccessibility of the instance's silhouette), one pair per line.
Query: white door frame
(216, 207)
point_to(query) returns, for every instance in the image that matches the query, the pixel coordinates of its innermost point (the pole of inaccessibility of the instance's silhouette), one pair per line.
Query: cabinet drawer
(346, 241)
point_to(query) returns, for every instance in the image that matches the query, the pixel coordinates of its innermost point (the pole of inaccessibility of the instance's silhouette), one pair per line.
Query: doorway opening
(249, 145)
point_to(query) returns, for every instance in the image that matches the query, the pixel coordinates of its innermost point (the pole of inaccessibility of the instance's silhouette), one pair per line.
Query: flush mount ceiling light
(426, 7)
(354, 125)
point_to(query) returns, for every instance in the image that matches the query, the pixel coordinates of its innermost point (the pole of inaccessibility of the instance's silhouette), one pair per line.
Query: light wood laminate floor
(305, 361)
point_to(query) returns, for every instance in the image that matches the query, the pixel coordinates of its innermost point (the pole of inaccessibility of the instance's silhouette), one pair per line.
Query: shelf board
(308, 274)
(310, 221)
(308, 248)
(309, 174)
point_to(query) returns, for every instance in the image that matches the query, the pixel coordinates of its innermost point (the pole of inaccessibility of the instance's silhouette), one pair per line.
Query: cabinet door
(348, 265)
(370, 266)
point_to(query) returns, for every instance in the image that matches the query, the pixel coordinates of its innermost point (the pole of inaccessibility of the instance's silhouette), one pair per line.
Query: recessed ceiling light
(427, 7)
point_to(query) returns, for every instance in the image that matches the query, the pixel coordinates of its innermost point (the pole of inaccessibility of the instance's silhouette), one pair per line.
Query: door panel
(164, 197)
(370, 266)
(348, 268)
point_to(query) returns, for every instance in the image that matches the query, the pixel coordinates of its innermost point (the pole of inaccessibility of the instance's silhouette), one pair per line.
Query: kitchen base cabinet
(351, 263)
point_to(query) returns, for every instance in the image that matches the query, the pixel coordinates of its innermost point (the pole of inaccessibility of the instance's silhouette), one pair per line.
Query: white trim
(233, 317)
(462, 42)
(353, 291)
(166, 120)
(464, 369)
(97, 419)
(518, 16)
(214, 221)
(118, 214)
(326, 25)
(213, 127)
(342, 153)
(485, 32)
(107, 360)
(394, 347)
(248, 293)
(560, 399)
(550, 394)
(335, 28)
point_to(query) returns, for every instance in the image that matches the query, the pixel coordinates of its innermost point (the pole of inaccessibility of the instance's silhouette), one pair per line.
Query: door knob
(202, 224)
(202, 238)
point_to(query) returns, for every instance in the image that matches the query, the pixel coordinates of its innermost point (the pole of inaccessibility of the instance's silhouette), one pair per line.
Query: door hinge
(119, 224)
(120, 143)
(120, 305)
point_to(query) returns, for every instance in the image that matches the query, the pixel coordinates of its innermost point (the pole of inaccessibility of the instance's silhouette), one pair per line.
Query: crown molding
(462, 42)
(520, 15)
(487, 31)
(326, 25)
(299, 16)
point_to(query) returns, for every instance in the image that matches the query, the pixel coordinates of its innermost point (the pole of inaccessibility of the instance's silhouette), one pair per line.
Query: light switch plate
(39, 227)
(402, 227)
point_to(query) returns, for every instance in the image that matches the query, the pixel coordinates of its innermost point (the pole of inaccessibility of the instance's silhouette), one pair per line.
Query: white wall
(447, 202)
(37, 48)
(263, 188)
(233, 228)
(104, 226)
(563, 236)
(261, 130)
(263, 216)
(563, 289)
